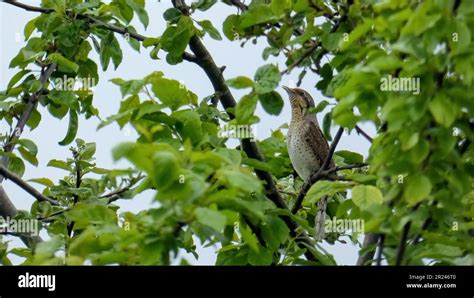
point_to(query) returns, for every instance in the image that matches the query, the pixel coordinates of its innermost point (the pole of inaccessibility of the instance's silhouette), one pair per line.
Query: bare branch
(380, 247)
(361, 132)
(26, 187)
(369, 239)
(402, 244)
(239, 4)
(117, 194)
(28, 7)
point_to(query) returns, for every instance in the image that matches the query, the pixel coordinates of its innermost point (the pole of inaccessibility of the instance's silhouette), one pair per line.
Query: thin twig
(25, 116)
(361, 132)
(75, 155)
(402, 244)
(380, 246)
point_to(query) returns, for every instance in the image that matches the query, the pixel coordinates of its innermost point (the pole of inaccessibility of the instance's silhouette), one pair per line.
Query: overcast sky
(238, 61)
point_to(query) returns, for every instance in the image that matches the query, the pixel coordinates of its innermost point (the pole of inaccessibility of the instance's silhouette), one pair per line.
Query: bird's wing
(319, 144)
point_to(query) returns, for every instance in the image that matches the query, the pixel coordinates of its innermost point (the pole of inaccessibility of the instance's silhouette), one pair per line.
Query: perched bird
(307, 146)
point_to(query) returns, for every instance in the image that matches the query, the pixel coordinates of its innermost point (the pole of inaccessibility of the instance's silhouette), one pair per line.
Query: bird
(307, 146)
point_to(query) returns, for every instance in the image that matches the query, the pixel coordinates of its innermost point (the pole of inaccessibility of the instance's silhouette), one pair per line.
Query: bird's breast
(301, 154)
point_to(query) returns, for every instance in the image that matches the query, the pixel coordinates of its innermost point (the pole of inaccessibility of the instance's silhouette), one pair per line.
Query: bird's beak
(287, 89)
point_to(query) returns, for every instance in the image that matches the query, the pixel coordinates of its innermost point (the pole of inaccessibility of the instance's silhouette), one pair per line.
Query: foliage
(420, 162)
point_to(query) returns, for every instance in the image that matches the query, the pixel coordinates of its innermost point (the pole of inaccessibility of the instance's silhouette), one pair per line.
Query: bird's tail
(319, 221)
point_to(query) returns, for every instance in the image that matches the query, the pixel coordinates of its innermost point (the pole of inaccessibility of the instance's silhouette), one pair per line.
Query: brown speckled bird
(307, 146)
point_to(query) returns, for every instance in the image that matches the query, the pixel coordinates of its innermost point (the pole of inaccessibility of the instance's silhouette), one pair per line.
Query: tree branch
(380, 247)
(26, 187)
(93, 20)
(239, 4)
(115, 195)
(8, 210)
(90, 18)
(402, 244)
(369, 239)
(75, 155)
(361, 132)
(213, 72)
(20, 126)
(316, 45)
(28, 7)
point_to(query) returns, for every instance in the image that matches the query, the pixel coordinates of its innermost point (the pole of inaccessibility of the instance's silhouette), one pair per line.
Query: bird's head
(300, 99)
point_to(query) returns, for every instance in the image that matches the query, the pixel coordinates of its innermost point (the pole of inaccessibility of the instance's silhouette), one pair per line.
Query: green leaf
(418, 187)
(110, 49)
(257, 14)
(166, 169)
(229, 27)
(18, 76)
(271, 102)
(320, 107)
(59, 164)
(324, 188)
(151, 41)
(327, 120)
(444, 111)
(355, 35)
(204, 5)
(267, 78)
(85, 214)
(365, 196)
(34, 120)
(72, 128)
(175, 39)
(88, 151)
(248, 237)
(460, 37)
(257, 164)
(261, 257)
(28, 156)
(43, 181)
(172, 93)
(241, 180)
(30, 145)
(16, 166)
(139, 7)
(280, 6)
(64, 63)
(245, 109)
(30, 27)
(211, 218)
(171, 15)
(408, 139)
(210, 29)
(240, 82)
(350, 157)
(275, 232)
(190, 125)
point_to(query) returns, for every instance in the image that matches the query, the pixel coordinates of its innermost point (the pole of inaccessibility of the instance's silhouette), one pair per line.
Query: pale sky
(238, 61)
